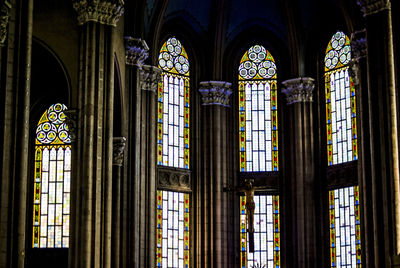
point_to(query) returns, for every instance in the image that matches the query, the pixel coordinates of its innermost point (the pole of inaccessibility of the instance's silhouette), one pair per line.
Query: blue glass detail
(160, 99)
(186, 146)
(242, 149)
(241, 128)
(186, 166)
(274, 128)
(330, 142)
(242, 169)
(275, 169)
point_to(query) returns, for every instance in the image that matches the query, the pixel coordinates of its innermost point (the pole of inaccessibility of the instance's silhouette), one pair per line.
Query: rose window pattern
(52, 180)
(341, 125)
(258, 115)
(173, 106)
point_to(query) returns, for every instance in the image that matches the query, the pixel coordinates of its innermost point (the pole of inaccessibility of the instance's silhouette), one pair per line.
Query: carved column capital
(136, 51)
(105, 12)
(298, 89)
(71, 119)
(118, 151)
(358, 45)
(369, 7)
(359, 51)
(150, 76)
(4, 15)
(215, 92)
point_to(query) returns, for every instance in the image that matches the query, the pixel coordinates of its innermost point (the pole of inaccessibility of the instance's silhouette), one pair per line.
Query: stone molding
(215, 92)
(369, 7)
(4, 16)
(136, 51)
(118, 151)
(150, 76)
(71, 119)
(174, 179)
(298, 90)
(105, 12)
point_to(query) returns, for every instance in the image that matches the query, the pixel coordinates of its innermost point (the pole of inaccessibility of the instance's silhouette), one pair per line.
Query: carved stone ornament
(5, 8)
(118, 151)
(358, 45)
(71, 119)
(359, 51)
(298, 89)
(369, 7)
(174, 179)
(105, 12)
(215, 92)
(136, 51)
(150, 76)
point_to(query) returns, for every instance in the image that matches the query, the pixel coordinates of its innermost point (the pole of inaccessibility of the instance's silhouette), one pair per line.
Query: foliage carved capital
(105, 12)
(118, 151)
(358, 45)
(215, 92)
(71, 119)
(4, 16)
(369, 7)
(136, 51)
(298, 89)
(150, 76)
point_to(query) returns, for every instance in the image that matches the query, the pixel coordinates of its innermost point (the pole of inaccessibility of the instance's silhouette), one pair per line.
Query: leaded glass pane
(266, 233)
(340, 102)
(258, 121)
(173, 106)
(173, 210)
(344, 213)
(51, 206)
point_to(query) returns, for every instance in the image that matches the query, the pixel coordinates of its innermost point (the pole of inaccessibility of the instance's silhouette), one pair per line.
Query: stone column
(118, 163)
(15, 73)
(212, 209)
(150, 77)
(383, 134)
(136, 52)
(299, 175)
(91, 242)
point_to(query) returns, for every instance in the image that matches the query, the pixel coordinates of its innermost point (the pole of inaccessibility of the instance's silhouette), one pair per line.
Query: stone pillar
(383, 134)
(15, 72)
(150, 77)
(90, 245)
(136, 52)
(212, 208)
(299, 175)
(118, 163)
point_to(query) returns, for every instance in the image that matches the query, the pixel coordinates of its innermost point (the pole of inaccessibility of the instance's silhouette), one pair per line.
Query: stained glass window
(173, 229)
(340, 102)
(173, 106)
(266, 233)
(51, 202)
(258, 118)
(344, 213)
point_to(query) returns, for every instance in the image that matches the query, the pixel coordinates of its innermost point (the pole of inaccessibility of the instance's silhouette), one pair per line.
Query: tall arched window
(173, 106)
(52, 179)
(258, 150)
(258, 119)
(341, 127)
(173, 203)
(344, 212)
